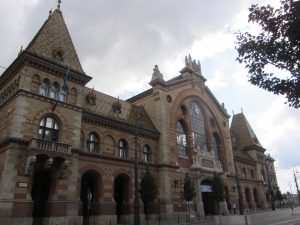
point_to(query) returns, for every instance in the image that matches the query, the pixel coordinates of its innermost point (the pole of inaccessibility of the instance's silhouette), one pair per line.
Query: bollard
(246, 219)
(177, 218)
(109, 222)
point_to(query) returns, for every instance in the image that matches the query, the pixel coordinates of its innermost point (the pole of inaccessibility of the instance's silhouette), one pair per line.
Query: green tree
(188, 192)
(218, 190)
(148, 190)
(278, 45)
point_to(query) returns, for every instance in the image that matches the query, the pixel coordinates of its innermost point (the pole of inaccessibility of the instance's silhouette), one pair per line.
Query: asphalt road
(278, 217)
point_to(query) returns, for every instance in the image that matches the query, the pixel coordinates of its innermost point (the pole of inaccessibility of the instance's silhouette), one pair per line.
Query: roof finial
(58, 4)
(50, 12)
(242, 110)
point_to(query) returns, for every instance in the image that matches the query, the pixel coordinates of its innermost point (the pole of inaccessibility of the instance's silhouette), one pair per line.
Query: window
(244, 173)
(181, 139)
(216, 146)
(198, 129)
(63, 94)
(44, 87)
(93, 143)
(147, 153)
(53, 90)
(49, 129)
(123, 147)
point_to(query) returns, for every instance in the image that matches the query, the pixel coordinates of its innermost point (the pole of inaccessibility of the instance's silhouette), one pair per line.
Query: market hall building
(67, 152)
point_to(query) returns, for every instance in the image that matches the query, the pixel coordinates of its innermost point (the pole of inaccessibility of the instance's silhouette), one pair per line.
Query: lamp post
(136, 203)
(298, 193)
(270, 187)
(240, 195)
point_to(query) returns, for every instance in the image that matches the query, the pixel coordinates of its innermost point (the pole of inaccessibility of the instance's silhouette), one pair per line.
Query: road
(278, 217)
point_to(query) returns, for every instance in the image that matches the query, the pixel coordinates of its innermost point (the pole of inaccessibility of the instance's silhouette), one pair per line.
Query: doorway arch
(121, 195)
(89, 194)
(207, 197)
(41, 185)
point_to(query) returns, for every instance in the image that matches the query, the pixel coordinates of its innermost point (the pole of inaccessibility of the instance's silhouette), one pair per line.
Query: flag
(66, 78)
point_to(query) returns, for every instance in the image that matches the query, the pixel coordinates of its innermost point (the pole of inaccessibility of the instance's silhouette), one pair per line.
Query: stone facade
(67, 152)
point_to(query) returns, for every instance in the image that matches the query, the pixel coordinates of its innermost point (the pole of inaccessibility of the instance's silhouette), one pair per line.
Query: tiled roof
(54, 42)
(242, 133)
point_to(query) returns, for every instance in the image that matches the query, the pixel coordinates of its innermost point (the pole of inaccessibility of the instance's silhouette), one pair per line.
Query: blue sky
(120, 41)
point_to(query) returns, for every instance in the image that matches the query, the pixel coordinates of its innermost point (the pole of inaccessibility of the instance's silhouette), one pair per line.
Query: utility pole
(240, 196)
(270, 186)
(136, 203)
(296, 186)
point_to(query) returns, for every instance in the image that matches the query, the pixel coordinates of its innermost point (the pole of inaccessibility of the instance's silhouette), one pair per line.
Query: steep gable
(242, 133)
(53, 42)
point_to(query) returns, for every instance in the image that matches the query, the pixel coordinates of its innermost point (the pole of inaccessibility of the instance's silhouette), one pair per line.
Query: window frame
(93, 140)
(53, 129)
(122, 150)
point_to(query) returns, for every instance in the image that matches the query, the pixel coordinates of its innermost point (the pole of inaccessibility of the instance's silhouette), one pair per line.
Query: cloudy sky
(120, 41)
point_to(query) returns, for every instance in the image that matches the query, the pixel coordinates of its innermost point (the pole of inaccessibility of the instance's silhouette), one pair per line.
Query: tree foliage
(278, 45)
(218, 188)
(278, 195)
(148, 188)
(188, 189)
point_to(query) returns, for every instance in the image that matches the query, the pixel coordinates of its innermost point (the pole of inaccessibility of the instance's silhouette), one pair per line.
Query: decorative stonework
(90, 98)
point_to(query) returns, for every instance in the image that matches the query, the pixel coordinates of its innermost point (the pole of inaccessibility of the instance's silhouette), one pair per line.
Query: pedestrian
(234, 208)
(292, 208)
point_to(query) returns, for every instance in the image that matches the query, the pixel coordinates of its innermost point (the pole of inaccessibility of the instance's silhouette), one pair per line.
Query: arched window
(244, 173)
(181, 139)
(49, 129)
(198, 129)
(216, 146)
(63, 94)
(122, 148)
(44, 87)
(53, 90)
(93, 143)
(147, 153)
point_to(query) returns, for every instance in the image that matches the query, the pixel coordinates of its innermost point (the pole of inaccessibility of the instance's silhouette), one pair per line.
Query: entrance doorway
(207, 197)
(121, 196)
(88, 194)
(41, 184)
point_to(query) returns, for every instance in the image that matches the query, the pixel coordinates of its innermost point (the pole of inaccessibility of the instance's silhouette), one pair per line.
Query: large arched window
(181, 139)
(122, 148)
(49, 129)
(93, 143)
(147, 153)
(53, 90)
(216, 146)
(44, 87)
(198, 129)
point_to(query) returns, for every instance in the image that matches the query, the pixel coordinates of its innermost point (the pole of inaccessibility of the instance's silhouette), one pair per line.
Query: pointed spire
(58, 5)
(21, 50)
(53, 42)
(50, 12)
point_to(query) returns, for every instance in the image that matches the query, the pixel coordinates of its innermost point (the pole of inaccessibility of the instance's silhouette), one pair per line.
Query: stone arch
(248, 197)
(207, 197)
(72, 96)
(90, 192)
(122, 195)
(109, 144)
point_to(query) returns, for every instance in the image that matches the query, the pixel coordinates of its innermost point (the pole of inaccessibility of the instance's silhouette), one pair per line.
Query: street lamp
(136, 203)
(298, 193)
(270, 187)
(240, 196)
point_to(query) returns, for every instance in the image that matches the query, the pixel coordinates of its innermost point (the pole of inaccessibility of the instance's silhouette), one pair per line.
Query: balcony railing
(52, 146)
